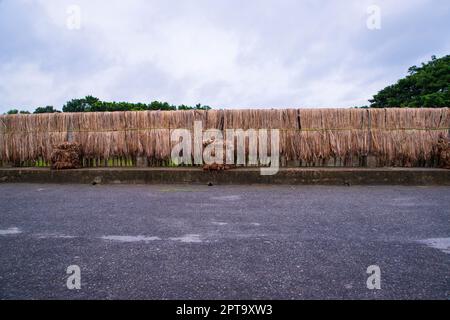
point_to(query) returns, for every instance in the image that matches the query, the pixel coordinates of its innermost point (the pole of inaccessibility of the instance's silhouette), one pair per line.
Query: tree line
(93, 104)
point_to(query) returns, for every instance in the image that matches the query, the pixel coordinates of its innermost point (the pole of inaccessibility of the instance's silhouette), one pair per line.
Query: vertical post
(70, 129)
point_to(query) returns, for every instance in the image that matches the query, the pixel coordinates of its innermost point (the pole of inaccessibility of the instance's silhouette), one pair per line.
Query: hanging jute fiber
(394, 136)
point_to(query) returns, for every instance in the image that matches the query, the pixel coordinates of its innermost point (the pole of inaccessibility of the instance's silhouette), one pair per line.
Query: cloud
(26, 83)
(233, 54)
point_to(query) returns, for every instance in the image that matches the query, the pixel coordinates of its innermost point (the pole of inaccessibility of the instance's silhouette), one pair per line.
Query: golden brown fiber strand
(402, 137)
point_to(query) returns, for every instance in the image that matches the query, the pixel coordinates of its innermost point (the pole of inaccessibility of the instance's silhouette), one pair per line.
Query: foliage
(197, 107)
(426, 86)
(80, 105)
(93, 104)
(47, 109)
(15, 111)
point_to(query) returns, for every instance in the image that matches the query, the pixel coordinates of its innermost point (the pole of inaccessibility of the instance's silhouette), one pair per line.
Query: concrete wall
(326, 176)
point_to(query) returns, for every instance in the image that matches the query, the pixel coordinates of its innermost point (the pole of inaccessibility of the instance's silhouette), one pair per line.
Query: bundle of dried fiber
(442, 150)
(289, 124)
(314, 145)
(405, 137)
(347, 132)
(66, 156)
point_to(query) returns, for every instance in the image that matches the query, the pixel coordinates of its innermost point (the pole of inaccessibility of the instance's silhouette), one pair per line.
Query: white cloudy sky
(224, 53)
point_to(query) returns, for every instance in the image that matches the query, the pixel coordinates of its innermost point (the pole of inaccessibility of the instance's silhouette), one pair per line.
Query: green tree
(47, 109)
(157, 105)
(426, 86)
(200, 107)
(93, 104)
(196, 107)
(81, 105)
(15, 111)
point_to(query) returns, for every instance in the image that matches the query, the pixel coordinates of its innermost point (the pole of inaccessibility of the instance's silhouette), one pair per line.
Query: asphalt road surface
(224, 242)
